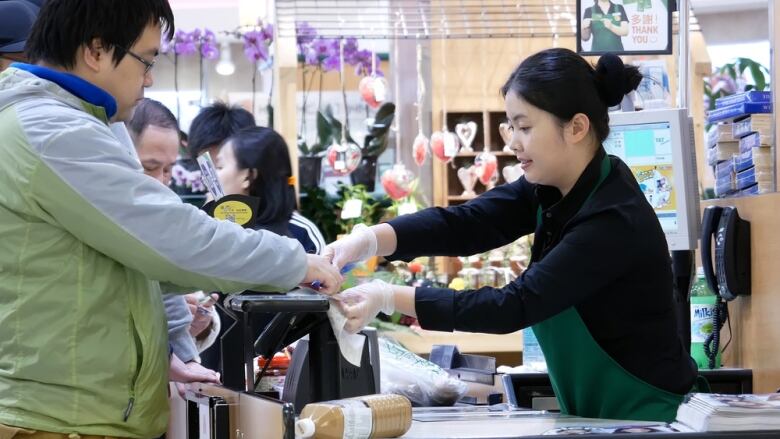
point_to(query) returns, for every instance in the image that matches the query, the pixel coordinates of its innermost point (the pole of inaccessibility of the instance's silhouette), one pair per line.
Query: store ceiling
(413, 19)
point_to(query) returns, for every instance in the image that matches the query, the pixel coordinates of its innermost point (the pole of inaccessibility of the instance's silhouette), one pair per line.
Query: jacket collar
(100, 103)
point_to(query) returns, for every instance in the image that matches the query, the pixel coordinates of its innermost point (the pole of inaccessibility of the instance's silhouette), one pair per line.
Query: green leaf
(731, 71)
(376, 140)
(758, 76)
(383, 119)
(324, 128)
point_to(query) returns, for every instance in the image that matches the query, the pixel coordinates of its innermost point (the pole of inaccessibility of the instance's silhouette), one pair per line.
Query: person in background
(256, 162)
(608, 23)
(598, 292)
(86, 237)
(156, 136)
(213, 125)
(16, 20)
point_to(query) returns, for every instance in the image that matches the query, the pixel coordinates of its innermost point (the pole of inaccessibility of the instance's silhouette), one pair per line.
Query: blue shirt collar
(82, 89)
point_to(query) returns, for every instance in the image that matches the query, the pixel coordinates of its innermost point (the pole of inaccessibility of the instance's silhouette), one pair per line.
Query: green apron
(604, 40)
(586, 380)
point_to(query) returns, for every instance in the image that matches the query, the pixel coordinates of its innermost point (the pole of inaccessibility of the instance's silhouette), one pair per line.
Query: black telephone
(731, 274)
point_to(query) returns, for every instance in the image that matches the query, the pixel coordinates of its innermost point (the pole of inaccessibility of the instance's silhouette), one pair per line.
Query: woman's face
(234, 180)
(537, 141)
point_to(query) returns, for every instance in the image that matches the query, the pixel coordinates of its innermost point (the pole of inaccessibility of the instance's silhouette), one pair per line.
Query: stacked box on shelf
(721, 144)
(754, 164)
(747, 168)
(725, 178)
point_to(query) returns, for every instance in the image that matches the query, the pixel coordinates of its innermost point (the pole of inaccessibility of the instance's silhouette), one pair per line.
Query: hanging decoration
(421, 144)
(485, 163)
(397, 181)
(512, 173)
(444, 144)
(343, 157)
(466, 132)
(468, 178)
(505, 131)
(373, 88)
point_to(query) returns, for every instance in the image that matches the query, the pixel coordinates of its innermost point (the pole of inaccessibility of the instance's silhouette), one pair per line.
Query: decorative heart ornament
(343, 157)
(398, 182)
(512, 173)
(466, 132)
(504, 129)
(420, 149)
(444, 145)
(468, 178)
(373, 89)
(486, 165)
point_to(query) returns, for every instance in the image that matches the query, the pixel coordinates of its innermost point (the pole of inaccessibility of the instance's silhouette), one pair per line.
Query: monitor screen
(658, 147)
(647, 150)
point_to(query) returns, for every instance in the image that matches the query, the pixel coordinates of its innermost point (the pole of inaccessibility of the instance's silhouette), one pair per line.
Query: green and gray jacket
(85, 239)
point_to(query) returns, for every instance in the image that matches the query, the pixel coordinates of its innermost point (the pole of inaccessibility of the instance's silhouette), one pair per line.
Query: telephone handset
(731, 274)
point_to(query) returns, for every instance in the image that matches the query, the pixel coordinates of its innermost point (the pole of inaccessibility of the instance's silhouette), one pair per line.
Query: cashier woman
(598, 291)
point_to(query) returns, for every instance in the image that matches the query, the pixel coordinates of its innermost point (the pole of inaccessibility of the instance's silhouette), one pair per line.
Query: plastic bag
(424, 383)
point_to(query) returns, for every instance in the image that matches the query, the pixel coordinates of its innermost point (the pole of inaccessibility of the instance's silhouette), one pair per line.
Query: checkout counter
(235, 411)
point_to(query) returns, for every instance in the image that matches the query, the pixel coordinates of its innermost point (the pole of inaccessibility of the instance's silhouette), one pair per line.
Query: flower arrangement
(184, 178)
(318, 56)
(257, 41)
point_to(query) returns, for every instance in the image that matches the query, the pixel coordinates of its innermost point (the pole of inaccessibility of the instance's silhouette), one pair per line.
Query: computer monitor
(658, 146)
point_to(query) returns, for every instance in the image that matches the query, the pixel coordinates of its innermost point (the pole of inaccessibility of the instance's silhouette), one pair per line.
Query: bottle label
(357, 420)
(701, 321)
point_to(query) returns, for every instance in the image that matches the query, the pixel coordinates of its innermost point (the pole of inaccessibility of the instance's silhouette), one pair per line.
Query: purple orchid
(304, 33)
(208, 45)
(267, 33)
(255, 46)
(350, 49)
(331, 63)
(184, 43)
(363, 65)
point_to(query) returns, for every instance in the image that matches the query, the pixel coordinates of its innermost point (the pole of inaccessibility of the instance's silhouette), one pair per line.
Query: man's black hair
(216, 123)
(65, 25)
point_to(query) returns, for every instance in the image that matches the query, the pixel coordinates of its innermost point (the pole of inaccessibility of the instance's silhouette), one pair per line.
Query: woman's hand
(358, 246)
(363, 302)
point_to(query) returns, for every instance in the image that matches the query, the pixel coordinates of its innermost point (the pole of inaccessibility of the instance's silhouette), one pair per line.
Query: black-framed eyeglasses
(147, 64)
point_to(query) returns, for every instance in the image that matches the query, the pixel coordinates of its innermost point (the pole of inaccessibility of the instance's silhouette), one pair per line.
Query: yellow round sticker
(233, 211)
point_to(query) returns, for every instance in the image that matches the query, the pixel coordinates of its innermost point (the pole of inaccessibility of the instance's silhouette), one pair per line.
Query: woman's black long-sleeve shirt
(607, 257)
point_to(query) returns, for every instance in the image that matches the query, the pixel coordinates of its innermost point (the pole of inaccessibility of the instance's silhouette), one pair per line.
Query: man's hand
(201, 310)
(358, 246)
(363, 302)
(327, 277)
(191, 372)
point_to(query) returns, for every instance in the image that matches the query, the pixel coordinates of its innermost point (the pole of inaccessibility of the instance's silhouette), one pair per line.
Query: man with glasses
(86, 237)
(16, 20)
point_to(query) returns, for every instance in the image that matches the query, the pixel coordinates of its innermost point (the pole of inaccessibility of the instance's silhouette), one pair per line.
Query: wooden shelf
(461, 197)
(420, 342)
(498, 152)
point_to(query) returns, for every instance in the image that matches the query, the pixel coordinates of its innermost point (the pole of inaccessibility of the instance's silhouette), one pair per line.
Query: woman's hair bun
(615, 79)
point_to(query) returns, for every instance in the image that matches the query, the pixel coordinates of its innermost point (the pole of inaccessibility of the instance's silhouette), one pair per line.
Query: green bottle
(703, 302)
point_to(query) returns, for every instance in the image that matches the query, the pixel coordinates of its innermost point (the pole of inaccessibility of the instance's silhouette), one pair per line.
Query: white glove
(363, 302)
(356, 247)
